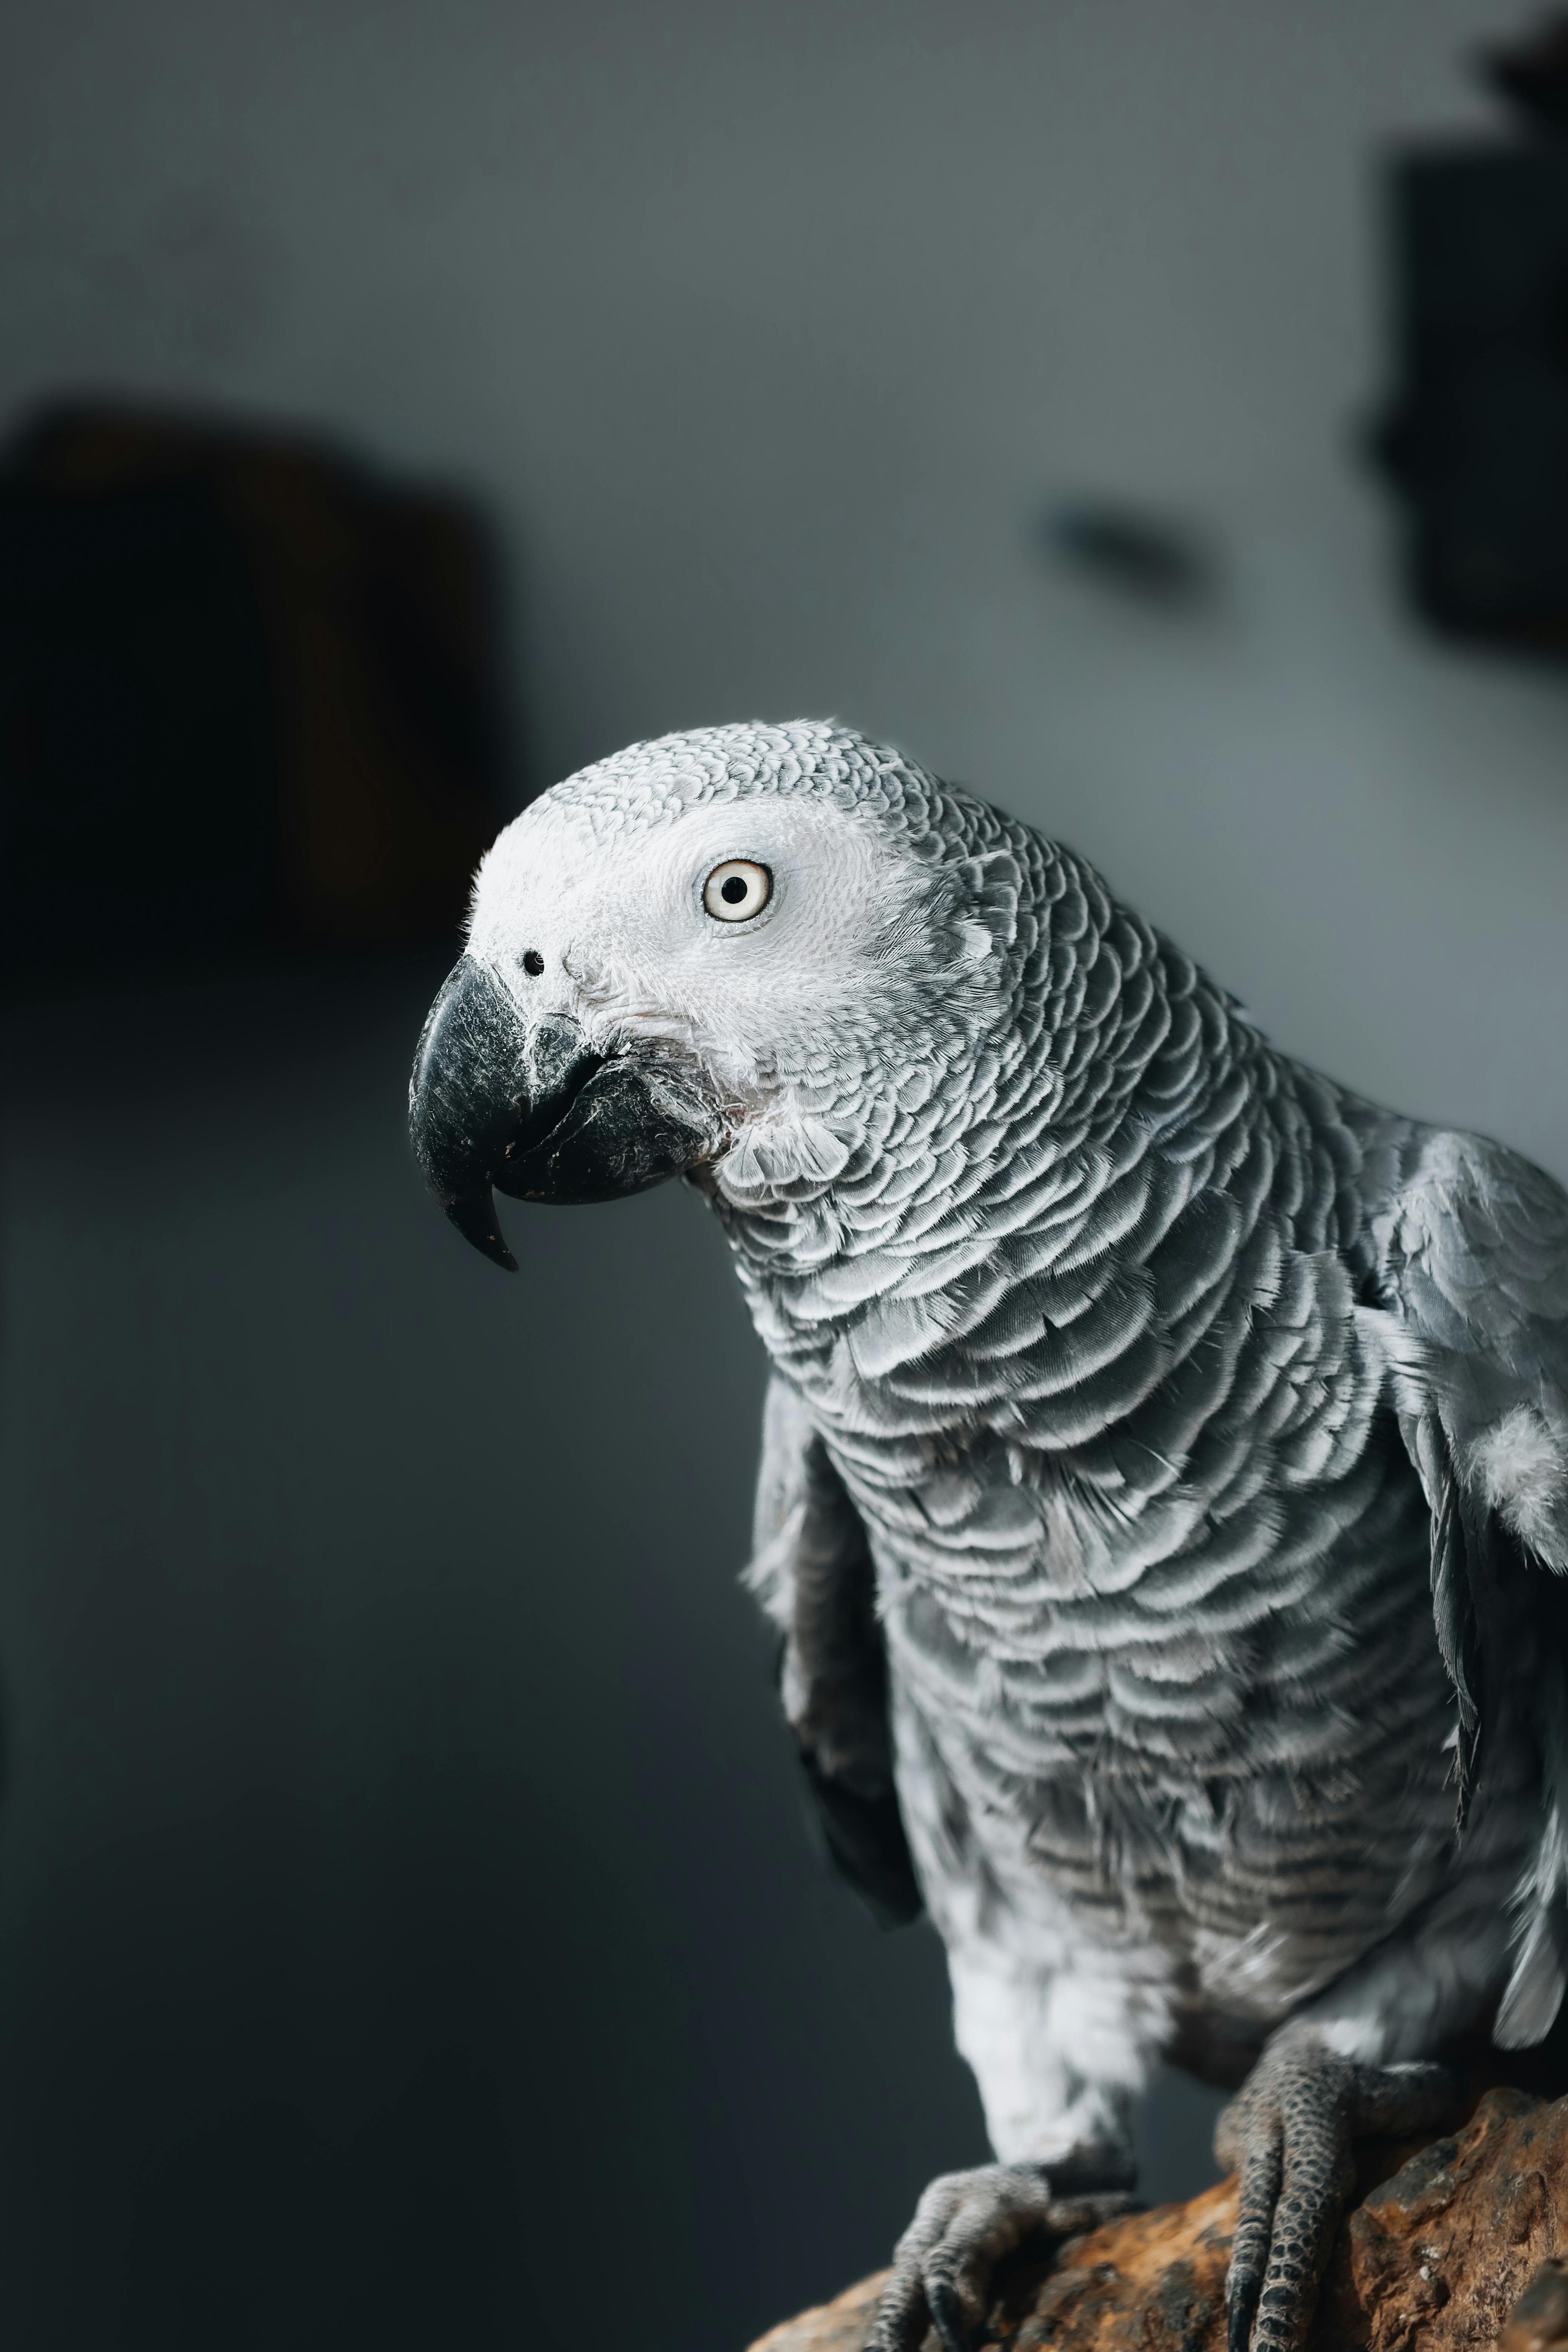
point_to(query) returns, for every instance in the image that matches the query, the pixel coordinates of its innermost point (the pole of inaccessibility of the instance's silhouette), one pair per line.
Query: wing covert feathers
(1474, 1258)
(812, 1572)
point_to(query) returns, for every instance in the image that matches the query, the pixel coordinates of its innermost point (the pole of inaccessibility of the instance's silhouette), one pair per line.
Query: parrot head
(735, 954)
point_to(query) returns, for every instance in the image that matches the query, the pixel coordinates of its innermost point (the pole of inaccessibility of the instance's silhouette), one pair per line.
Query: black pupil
(533, 963)
(733, 892)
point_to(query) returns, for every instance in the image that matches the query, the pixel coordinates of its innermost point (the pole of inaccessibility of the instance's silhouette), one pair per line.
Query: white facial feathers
(625, 919)
(606, 900)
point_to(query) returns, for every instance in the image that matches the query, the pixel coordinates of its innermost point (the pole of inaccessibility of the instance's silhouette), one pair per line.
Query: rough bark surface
(1455, 2244)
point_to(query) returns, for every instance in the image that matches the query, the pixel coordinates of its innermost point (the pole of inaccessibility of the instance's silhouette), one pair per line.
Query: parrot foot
(965, 2222)
(1287, 2134)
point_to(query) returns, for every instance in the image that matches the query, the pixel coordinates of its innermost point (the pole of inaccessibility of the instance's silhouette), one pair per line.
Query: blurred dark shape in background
(248, 692)
(1152, 558)
(1534, 75)
(1476, 440)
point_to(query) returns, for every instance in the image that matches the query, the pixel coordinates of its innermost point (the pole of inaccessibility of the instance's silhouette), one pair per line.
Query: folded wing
(1472, 1260)
(811, 1570)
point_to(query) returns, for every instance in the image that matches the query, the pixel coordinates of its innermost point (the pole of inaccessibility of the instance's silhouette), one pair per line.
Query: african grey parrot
(1164, 1486)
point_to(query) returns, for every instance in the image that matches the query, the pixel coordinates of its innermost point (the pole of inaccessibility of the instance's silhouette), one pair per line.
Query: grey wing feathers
(811, 1570)
(1472, 1250)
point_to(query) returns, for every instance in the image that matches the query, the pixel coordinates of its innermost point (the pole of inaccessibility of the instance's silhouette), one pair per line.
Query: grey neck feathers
(1000, 1122)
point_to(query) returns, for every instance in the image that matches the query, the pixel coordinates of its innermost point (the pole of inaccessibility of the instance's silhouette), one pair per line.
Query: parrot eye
(736, 890)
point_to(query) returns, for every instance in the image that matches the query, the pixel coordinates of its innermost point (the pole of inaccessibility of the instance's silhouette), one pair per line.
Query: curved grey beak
(535, 1113)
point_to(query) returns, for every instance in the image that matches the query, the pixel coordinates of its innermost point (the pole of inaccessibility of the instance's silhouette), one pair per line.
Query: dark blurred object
(1475, 441)
(1534, 75)
(1149, 557)
(248, 692)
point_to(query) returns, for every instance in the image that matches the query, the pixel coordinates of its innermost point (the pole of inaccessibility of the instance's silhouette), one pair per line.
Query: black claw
(1243, 2304)
(947, 2317)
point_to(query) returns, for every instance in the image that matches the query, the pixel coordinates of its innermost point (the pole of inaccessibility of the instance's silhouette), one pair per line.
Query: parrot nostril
(533, 963)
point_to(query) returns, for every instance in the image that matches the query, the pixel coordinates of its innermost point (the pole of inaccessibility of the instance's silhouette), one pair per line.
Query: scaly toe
(963, 2225)
(1288, 2132)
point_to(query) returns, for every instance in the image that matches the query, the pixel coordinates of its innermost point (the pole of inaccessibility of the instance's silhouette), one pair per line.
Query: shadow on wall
(249, 692)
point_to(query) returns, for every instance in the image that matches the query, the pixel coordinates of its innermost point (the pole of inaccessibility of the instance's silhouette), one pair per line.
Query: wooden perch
(1460, 2243)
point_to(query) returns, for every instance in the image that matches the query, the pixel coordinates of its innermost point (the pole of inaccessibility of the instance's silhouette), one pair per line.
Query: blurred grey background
(408, 1931)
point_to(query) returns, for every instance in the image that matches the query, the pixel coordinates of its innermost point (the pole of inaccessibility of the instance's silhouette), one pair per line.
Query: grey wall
(388, 1773)
(764, 328)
